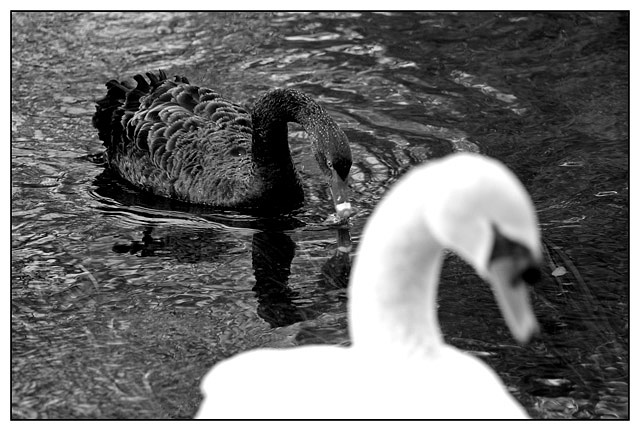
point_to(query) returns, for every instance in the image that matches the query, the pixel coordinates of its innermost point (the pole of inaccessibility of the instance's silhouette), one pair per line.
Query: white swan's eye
(531, 275)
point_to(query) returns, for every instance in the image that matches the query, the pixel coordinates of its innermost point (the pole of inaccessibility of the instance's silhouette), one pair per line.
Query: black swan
(399, 365)
(185, 142)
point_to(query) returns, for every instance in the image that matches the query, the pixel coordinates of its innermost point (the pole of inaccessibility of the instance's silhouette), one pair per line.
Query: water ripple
(120, 302)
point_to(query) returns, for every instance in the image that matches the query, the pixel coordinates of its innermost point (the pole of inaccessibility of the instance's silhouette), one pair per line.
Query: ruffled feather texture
(189, 143)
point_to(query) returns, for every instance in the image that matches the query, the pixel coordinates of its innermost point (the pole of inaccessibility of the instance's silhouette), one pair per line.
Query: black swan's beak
(340, 194)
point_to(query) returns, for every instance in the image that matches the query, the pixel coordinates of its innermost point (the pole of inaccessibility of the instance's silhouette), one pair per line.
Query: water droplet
(559, 271)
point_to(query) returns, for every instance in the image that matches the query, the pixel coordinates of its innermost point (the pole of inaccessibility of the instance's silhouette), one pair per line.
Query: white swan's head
(485, 215)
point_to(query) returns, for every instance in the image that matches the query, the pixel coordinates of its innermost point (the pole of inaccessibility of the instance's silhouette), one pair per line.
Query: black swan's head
(330, 145)
(334, 158)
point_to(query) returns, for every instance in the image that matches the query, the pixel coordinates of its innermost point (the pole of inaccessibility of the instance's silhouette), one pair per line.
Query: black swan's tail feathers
(105, 107)
(123, 100)
(158, 79)
(181, 79)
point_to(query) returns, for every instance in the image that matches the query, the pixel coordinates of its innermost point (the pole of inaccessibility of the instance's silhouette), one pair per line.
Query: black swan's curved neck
(270, 116)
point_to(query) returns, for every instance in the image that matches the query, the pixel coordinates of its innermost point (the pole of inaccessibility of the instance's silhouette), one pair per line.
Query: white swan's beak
(512, 295)
(340, 194)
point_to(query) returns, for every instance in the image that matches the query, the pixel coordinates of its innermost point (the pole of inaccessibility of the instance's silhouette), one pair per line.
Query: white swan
(399, 365)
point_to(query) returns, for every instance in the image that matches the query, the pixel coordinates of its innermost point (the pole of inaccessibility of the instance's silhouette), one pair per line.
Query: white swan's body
(399, 365)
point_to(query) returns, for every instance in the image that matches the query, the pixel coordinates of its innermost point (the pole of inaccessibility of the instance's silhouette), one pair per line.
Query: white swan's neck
(393, 286)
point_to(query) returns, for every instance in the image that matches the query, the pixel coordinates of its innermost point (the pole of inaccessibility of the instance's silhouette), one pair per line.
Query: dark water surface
(121, 303)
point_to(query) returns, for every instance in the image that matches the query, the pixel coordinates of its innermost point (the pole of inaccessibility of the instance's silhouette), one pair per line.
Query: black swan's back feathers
(187, 142)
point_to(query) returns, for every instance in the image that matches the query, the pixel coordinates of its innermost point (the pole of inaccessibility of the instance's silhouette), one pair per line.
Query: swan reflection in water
(271, 256)
(272, 252)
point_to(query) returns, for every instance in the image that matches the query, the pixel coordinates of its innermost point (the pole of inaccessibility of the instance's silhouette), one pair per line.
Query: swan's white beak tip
(344, 210)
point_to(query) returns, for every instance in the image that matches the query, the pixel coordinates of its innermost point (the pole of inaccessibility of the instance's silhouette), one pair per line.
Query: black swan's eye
(237, 152)
(531, 275)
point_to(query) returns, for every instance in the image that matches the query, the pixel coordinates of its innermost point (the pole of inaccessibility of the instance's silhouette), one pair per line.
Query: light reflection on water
(120, 303)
